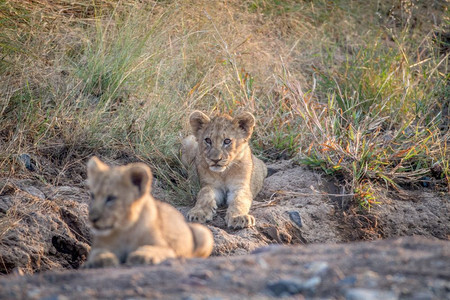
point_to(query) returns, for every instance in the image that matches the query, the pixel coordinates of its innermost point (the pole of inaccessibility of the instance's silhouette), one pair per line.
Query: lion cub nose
(94, 219)
(216, 160)
(94, 216)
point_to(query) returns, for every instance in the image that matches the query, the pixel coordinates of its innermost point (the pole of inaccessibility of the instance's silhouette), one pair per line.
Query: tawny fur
(228, 171)
(130, 226)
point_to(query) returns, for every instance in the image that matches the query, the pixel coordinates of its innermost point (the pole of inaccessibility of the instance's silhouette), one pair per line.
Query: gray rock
(369, 279)
(27, 162)
(296, 218)
(34, 191)
(287, 287)
(367, 294)
(318, 267)
(348, 281)
(268, 248)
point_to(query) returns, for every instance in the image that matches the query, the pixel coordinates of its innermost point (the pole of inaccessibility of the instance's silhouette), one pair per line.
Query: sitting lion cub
(228, 171)
(130, 226)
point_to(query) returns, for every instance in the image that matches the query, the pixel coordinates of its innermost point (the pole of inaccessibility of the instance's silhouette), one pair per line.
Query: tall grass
(381, 122)
(119, 78)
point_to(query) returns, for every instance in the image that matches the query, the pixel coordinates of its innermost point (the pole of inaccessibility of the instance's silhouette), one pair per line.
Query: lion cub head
(117, 193)
(221, 139)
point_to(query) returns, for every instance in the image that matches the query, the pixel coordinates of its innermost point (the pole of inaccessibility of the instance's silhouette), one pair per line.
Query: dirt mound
(294, 208)
(289, 210)
(44, 227)
(405, 268)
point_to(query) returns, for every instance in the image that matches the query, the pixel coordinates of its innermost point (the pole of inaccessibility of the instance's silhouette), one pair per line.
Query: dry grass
(358, 90)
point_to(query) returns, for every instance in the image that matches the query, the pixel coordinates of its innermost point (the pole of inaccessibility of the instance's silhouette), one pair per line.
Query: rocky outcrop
(42, 227)
(404, 268)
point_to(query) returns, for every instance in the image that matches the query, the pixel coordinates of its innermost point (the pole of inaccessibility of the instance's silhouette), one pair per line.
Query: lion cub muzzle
(216, 153)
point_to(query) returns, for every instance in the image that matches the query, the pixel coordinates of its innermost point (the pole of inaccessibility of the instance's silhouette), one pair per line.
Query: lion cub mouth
(217, 168)
(101, 231)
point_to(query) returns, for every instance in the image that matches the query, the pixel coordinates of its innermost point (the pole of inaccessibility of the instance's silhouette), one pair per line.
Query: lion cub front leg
(205, 207)
(149, 255)
(239, 203)
(101, 258)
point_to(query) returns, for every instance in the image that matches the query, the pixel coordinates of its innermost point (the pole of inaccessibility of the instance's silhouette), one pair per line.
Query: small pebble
(425, 181)
(264, 249)
(55, 297)
(204, 275)
(26, 160)
(34, 191)
(318, 267)
(262, 263)
(369, 279)
(296, 218)
(287, 287)
(348, 281)
(367, 294)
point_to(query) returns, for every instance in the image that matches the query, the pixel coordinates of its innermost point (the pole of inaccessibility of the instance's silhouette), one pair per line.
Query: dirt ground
(404, 268)
(44, 227)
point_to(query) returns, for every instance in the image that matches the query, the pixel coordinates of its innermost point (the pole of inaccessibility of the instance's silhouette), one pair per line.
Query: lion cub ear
(94, 167)
(198, 120)
(245, 123)
(140, 176)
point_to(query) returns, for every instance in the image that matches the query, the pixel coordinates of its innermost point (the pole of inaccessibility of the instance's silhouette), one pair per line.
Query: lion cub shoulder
(130, 226)
(228, 171)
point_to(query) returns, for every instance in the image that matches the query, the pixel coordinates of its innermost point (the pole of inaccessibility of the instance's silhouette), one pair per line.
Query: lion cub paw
(148, 256)
(201, 215)
(102, 260)
(241, 221)
(136, 259)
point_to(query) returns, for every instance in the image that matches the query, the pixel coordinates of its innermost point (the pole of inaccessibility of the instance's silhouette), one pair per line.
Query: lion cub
(228, 171)
(130, 226)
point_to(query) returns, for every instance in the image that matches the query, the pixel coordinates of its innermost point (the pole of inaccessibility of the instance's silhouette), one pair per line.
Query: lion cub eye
(110, 199)
(227, 141)
(208, 141)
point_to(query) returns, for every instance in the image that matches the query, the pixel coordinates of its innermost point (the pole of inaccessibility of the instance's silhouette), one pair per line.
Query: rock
(368, 294)
(287, 287)
(296, 218)
(369, 279)
(34, 191)
(288, 272)
(436, 171)
(27, 162)
(311, 284)
(42, 233)
(318, 267)
(347, 281)
(269, 248)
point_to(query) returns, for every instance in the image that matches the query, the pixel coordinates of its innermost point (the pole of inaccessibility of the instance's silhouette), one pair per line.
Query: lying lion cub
(130, 226)
(228, 171)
